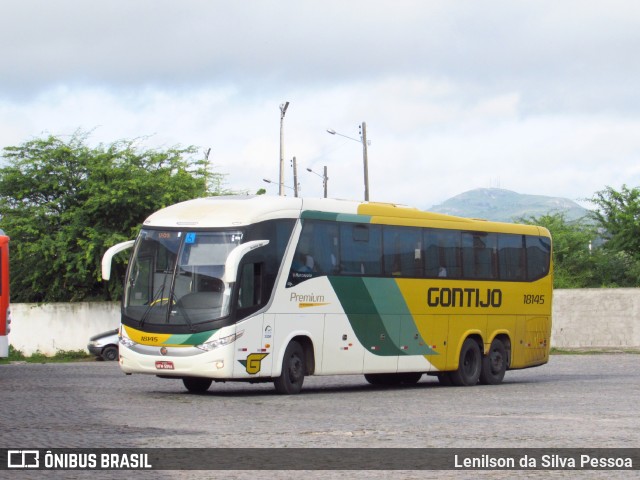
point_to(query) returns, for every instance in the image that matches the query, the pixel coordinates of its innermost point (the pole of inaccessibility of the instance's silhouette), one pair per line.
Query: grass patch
(39, 357)
(593, 350)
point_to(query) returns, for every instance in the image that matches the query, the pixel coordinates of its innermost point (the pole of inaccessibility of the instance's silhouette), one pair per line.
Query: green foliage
(618, 213)
(15, 354)
(39, 357)
(571, 255)
(580, 260)
(64, 203)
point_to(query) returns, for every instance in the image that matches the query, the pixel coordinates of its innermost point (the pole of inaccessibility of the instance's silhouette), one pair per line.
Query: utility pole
(325, 180)
(283, 110)
(295, 177)
(365, 159)
(324, 177)
(206, 171)
(365, 156)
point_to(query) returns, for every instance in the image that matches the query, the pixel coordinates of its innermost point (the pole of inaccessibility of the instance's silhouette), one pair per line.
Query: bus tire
(470, 365)
(197, 384)
(494, 364)
(293, 369)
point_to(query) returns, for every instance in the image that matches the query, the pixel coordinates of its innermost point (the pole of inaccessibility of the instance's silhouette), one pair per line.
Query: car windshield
(177, 277)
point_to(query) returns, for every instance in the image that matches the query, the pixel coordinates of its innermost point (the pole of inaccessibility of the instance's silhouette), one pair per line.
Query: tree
(580, 261)
(571, 253)
(64, 203)
(618, 213)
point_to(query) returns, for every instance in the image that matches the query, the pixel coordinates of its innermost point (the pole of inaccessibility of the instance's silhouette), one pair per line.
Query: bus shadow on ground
(244, 389)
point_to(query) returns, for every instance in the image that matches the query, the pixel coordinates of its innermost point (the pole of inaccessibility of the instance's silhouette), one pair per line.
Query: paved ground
(574, 401)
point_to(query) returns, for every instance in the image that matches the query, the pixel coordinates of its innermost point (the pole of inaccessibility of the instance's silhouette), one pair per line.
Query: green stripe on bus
(190, 338)
(364, 317)
(335, 217)
(396, 316)
(380, 316)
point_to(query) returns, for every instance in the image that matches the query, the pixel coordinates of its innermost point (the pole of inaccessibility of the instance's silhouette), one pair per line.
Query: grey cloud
(568, 55)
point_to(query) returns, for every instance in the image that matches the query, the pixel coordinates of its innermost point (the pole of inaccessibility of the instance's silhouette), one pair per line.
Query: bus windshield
(177, 277)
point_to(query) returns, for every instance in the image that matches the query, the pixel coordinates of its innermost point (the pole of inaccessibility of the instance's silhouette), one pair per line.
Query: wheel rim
(295, 368)
(470, 362)
(497, 361)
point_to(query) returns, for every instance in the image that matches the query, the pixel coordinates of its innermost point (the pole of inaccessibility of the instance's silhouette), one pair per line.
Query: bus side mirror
(233, 260)
(108, 256)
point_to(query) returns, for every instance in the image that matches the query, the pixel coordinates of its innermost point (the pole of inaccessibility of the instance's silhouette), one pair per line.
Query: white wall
(60, 326)
(596, 317)
(585, 318)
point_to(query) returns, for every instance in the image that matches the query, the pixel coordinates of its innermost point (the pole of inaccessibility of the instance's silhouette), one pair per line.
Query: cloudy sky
(539, 97)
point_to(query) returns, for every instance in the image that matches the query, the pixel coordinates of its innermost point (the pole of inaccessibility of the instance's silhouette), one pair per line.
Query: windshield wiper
(156, 297)
(183, 311)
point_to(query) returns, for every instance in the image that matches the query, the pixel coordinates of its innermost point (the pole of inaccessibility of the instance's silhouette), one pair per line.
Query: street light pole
(283, 110)
(365, 154)
(295, 177)
(325, 179)
(266, 180)
(365, 159)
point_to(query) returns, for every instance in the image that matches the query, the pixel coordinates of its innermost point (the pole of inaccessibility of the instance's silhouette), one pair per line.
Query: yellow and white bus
(276, 289)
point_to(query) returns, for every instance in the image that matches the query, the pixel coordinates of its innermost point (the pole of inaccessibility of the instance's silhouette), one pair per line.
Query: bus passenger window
(479, 255)
(316, 253)
(510, 257)
(538, 256)
(402, 251)
(442, 253)
(361, 249)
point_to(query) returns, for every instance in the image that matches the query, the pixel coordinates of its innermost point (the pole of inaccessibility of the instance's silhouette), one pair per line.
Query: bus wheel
(494, 364)
(196, 384)
(470, 365)
(293, 369)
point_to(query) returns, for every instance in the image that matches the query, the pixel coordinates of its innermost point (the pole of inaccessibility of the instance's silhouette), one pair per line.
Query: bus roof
(232, 211)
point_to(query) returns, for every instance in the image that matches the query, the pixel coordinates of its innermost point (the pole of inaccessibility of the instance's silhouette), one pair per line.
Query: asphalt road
(574, 401)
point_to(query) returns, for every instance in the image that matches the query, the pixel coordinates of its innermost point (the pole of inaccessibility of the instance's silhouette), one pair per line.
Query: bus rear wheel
(196, 384)
(494, 365)
(470, 365)
(293, 370)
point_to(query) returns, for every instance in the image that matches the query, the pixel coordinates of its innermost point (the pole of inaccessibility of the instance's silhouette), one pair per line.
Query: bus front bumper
(212, 364)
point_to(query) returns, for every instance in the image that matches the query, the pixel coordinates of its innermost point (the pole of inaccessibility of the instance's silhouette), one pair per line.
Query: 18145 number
(533, 299)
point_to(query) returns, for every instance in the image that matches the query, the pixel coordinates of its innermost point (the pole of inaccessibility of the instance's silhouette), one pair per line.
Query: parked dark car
(104, 345)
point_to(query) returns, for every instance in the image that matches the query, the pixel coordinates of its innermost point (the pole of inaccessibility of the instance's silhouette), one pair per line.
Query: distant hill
(505, 206)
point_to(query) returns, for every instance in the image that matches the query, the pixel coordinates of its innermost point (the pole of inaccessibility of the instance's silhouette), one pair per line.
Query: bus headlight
(220, 342)
(127, 342)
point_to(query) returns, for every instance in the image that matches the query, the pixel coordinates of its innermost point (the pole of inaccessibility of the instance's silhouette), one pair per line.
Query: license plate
(164, 365)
